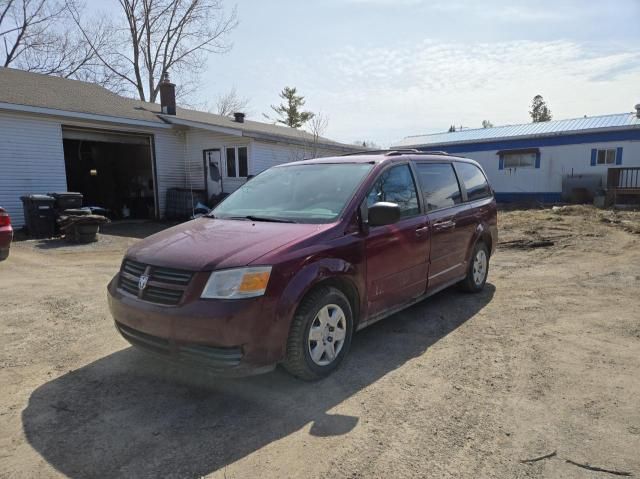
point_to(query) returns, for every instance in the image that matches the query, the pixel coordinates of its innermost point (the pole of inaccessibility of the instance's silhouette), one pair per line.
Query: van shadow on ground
(125, 415)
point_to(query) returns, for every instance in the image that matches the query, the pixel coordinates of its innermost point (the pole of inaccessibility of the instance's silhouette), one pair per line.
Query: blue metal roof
(532, 130)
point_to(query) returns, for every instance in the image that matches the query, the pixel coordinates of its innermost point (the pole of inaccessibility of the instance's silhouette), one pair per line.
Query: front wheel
(478, 269)
(320, 334)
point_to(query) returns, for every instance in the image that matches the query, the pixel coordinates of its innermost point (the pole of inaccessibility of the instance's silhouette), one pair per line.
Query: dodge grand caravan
(291, 264)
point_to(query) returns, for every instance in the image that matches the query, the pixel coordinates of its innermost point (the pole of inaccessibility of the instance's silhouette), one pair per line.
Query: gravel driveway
(546, 359)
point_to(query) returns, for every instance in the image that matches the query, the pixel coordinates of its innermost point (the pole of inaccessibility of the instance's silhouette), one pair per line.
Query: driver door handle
(421, 230)
(444, 225)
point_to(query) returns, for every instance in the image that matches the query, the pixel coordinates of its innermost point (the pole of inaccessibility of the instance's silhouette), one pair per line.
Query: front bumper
(222, 361)
(230, 337)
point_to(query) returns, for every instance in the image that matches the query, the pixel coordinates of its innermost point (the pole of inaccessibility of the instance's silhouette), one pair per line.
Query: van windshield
(312, 193)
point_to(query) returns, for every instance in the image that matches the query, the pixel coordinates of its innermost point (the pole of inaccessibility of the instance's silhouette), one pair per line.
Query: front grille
(164, 286)
(208, 355)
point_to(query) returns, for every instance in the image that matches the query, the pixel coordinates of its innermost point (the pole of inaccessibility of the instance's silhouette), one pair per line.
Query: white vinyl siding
(169, 150)
(267, 154)
(31, 161)
(199, 140)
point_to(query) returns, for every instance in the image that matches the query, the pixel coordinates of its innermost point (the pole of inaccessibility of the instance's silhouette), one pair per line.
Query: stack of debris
(78, 224)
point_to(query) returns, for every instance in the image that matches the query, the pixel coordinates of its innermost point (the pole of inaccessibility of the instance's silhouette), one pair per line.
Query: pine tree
(539, 110)
(487, 124)
(452, 128)
(289, 111)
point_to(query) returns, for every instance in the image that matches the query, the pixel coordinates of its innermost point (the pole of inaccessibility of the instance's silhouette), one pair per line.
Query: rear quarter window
(474, 181)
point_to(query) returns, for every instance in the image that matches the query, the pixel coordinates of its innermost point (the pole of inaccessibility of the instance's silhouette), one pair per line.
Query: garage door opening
(112, 171)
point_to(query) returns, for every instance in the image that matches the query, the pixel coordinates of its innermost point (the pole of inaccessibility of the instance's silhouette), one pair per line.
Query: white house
(66, 135)
(546, 161)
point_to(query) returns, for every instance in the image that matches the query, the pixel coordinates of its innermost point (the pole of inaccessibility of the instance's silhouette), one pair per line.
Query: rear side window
(396, 186)
(439, 185)
(474, 181)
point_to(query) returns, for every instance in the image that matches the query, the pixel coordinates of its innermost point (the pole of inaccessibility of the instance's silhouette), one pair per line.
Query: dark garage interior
(116, 174)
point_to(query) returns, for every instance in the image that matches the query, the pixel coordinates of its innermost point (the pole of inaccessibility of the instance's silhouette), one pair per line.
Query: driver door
(396, 254)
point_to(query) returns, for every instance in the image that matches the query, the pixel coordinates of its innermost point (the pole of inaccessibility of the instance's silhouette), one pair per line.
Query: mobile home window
(237, 162)
(607, 157)
(519, 160)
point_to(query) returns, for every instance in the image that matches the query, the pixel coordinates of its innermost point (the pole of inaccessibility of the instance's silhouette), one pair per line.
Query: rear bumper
(6, 235)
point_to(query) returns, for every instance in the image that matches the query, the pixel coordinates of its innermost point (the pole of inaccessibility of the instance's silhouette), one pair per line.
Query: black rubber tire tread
(296, 362)
(468, 284)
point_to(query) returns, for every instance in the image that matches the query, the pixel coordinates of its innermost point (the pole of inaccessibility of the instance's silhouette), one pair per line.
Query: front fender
(312, 274)
(304, 278)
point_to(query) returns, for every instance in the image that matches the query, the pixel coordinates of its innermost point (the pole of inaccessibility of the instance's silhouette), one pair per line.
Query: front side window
(313, 193)
(474, 181)
(237, 162)
(396, 185)
(439, 185)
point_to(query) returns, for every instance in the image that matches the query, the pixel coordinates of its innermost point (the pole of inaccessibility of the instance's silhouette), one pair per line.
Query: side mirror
(383, 213)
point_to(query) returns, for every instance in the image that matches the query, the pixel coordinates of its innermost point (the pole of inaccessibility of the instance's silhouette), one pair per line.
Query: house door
(213, 171)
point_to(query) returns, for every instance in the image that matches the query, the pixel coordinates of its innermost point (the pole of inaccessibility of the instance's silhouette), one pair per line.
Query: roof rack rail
(396, 152)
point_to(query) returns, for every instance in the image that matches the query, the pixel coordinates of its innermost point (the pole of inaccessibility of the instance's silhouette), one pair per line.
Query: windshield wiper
(261, 218)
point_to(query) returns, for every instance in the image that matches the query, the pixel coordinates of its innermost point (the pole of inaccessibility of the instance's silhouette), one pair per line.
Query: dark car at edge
(289, 266)
(6, 234)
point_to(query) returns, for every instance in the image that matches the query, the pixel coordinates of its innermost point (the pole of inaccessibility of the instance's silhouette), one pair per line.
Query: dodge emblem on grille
(142, 282)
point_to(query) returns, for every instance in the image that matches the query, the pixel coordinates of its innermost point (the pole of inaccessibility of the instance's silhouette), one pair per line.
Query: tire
(478, 269)
(328, 313)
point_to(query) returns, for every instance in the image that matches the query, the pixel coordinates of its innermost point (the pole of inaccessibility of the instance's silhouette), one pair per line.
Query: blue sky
(384, 69)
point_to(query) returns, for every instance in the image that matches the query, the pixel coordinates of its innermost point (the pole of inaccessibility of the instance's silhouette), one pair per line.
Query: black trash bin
(67, 200)
(39, 215)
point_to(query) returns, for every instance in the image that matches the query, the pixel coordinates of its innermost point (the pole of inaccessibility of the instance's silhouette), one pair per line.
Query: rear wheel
(320, 334)
(478, 269)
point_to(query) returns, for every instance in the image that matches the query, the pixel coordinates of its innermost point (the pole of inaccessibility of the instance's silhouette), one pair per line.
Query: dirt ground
(546, 359)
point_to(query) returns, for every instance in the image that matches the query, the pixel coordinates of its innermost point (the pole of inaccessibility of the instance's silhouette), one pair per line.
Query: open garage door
(113, 170)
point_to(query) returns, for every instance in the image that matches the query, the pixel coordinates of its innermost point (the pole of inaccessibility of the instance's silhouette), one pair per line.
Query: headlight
(237, 283)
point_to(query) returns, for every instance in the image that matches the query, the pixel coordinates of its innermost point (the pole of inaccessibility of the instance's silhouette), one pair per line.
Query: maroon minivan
(292, 263)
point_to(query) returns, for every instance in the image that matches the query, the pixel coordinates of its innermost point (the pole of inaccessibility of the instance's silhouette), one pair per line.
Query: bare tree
(230, 102)
(311, 139)
(317, 125)
(36, 36)
(158, 36)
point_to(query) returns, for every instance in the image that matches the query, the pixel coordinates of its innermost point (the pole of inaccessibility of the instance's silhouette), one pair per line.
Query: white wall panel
(31, 160)
(555, 163)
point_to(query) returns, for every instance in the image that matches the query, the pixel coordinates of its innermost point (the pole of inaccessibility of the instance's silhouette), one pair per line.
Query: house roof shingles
(18, 87)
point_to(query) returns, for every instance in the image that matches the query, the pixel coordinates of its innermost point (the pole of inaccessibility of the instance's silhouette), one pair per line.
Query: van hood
(207, 243)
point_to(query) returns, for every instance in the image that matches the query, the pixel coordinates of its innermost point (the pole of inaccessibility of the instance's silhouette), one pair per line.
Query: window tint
(439, 185)
(474, 181)
(396, 186)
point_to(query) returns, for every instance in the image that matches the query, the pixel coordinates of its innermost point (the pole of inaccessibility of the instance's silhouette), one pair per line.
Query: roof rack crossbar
(396, 152)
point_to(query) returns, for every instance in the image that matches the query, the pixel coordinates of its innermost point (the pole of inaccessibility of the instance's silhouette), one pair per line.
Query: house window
(237, 162)
(606, 157)
(519, 160)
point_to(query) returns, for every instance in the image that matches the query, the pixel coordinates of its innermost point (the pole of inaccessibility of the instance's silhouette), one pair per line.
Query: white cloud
(385, 93)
